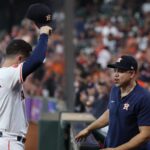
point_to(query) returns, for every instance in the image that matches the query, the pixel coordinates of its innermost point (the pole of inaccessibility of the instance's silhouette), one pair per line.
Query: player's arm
(102, 121)
(142, 137)
(39, 53)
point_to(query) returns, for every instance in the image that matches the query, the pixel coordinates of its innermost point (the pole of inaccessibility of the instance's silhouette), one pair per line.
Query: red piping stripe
(8, 145)
(21, 79)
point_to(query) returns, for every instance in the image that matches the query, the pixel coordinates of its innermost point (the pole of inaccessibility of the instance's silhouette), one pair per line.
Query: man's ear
(133, 73)
(20, 58)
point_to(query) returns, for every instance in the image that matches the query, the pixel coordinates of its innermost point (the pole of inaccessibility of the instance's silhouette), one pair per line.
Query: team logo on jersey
(126, 106)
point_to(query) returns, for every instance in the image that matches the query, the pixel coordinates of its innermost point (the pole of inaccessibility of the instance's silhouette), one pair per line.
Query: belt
(19, 138)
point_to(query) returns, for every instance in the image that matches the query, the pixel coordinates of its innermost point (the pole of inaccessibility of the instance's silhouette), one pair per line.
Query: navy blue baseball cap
(125, 62)
(39, 13)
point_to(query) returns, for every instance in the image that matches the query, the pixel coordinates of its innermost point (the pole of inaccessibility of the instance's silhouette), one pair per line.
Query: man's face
(122, 77)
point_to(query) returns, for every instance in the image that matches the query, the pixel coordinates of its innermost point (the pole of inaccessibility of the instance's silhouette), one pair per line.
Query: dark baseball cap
(40, 13)
(125, 62)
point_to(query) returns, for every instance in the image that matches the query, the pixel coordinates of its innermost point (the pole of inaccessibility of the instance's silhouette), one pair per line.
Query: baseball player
(17, 65)
(128, 113)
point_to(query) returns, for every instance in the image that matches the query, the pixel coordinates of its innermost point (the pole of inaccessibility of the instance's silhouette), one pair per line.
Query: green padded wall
(50, 133)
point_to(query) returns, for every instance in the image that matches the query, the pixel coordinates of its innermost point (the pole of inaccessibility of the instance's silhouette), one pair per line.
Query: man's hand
(46, 30)
(82, 135)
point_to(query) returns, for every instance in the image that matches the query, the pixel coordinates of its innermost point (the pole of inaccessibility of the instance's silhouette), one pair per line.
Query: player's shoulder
(9, 70)
(12, 67)
(142, 90)
(15, 66)
(143, 94)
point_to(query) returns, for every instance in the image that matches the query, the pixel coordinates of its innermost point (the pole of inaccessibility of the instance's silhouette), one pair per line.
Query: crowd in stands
(119, 27)
(102, 32)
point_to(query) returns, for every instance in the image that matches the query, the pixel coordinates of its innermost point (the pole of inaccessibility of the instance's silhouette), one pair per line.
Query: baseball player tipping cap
(125, 62)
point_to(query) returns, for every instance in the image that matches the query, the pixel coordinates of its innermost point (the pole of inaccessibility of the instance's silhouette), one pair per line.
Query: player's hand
(46, 30)
(82, 135)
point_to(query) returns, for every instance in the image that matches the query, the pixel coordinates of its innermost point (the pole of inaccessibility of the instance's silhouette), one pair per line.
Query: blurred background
(87, 35)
